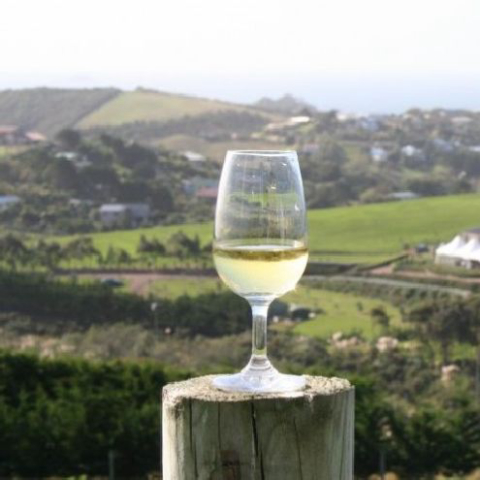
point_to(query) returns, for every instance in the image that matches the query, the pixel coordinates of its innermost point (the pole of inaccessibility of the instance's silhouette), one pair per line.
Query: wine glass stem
(259, 329)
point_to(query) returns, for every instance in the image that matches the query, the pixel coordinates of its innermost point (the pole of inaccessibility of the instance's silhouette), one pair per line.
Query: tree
(330, 151)
(181, 246)
(48, 254)
(68, 138)
(13, 251)
(162, 198)
(61, 174)
(153, 247)
(380, 317)
(443, 321)
(80, 248)
(94, 178)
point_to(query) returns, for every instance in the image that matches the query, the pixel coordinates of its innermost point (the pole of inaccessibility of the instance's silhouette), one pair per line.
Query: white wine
(250, 270)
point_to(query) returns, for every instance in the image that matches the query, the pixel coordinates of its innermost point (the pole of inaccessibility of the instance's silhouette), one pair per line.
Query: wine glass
(260, 249)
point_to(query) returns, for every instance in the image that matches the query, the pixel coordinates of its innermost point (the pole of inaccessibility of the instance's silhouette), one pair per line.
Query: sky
(364, 56)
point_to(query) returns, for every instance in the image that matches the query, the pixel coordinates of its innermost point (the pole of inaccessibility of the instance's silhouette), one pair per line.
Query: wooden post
(213, 435)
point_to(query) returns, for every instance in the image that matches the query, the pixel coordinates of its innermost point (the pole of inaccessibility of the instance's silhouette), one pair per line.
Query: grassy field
(342, 312)
(366, 232)
(128, 239)
(147, 106)
(386, 227)
(6, 152)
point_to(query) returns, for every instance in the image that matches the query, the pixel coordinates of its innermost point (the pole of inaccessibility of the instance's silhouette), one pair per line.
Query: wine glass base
(239, 382)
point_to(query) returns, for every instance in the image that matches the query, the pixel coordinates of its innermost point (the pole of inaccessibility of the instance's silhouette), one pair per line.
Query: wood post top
(201, 388)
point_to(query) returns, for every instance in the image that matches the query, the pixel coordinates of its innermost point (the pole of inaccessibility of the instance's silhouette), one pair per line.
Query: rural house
(112, 214)
(14, 135)
(207, 193)
(7, 201)
(378, 154)
(192, 186)
(193, 156)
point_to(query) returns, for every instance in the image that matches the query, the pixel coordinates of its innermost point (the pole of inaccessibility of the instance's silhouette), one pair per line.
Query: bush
(56, 305)
(61, 418)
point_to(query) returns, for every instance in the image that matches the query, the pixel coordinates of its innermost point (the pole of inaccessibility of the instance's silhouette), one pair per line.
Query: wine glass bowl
(260, 249)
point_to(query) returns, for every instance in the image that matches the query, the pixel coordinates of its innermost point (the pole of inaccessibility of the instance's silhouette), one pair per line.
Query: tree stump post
(214, 435)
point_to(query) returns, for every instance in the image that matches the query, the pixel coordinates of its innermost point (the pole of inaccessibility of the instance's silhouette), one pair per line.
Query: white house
(409, 150)
(117, 213)
(7, 201)
(407, 195)
(413, 152)
(378, 154)
(298, 120)
(193, 156)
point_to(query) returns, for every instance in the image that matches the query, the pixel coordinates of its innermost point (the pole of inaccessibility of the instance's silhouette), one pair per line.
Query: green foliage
(380, 228)
(68, 138)
(61, 174)
(435, 441)
(63, 417)
(69, 303)
(62, 191)
(153, 246)
(445, 321)
(57, 305)
(13, 251)
(181, 246)
(208, 314)
(380, 317)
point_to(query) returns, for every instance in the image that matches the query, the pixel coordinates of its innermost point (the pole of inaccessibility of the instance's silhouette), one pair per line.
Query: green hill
(378, 228)
(154, 106)
(386, 227)
(48, 110)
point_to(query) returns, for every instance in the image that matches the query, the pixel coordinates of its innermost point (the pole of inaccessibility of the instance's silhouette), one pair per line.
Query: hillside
(376, 228)
(387, 227)
(48, 110)
(214, 150)
(143, 115)
(152, 106)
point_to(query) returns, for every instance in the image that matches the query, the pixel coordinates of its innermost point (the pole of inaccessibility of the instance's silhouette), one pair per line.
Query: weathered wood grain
(213, 435)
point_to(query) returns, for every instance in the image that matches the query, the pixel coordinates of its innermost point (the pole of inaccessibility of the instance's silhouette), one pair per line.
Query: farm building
(116, 213)
(462, 251)
(193, 156)
(209, 194)
(14, 135)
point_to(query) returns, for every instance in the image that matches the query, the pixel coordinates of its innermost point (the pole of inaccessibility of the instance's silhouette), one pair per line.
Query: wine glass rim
(263, 153)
